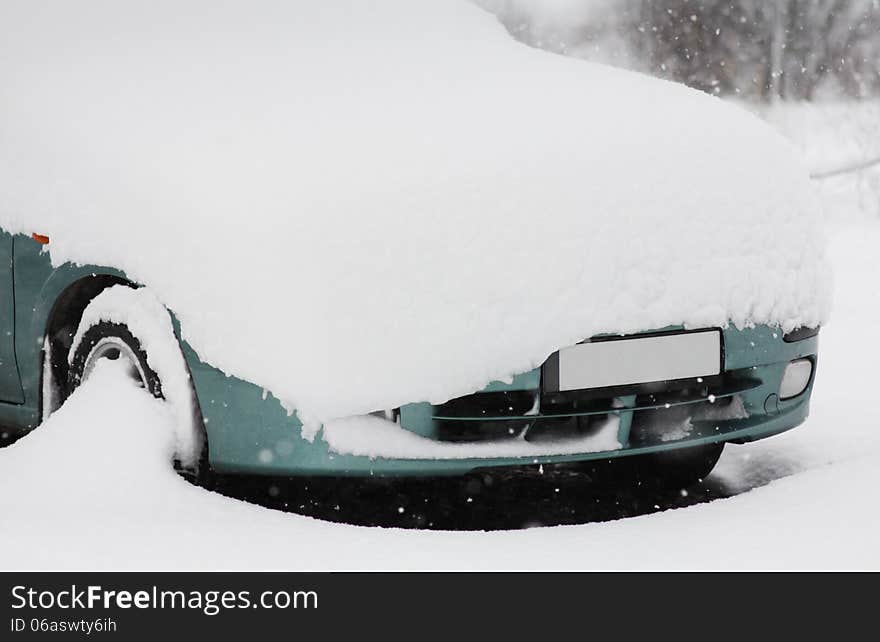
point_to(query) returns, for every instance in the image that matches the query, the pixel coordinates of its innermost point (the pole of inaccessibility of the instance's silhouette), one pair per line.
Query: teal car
(672, 397)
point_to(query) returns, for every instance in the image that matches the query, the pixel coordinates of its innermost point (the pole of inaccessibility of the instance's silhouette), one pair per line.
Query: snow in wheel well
(149, 321)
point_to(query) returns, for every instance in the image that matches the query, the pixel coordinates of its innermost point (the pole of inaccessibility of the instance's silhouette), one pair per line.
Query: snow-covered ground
(93, 489)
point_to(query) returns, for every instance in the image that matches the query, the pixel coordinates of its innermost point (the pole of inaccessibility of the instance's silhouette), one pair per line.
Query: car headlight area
(796, 378)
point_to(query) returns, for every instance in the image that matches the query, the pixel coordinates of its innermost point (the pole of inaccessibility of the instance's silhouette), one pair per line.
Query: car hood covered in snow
(361, 204)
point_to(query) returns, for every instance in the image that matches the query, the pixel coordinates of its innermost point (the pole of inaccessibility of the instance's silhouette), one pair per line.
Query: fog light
(796, 378)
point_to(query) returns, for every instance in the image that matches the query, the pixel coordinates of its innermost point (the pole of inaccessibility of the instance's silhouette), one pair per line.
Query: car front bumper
(250, 432)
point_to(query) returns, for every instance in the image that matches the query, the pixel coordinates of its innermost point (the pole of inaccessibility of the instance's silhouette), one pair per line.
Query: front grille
(660, 411)
(661, 425)
(494, 407)
(513, 403)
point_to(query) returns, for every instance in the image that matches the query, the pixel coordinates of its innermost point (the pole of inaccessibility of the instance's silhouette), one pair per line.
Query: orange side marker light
(41, 239)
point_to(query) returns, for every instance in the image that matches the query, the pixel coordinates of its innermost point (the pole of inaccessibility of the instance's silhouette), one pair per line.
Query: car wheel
(677, 469)
(115, 342)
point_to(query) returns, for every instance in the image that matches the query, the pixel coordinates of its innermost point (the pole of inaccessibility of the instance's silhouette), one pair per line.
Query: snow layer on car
(376, 437)
(359, 205)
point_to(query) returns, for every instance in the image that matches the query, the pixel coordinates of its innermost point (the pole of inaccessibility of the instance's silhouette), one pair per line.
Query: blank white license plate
(622, 362)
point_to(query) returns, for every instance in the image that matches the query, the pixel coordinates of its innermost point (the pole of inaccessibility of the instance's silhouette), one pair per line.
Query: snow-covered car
(672, 393)
(394, 241)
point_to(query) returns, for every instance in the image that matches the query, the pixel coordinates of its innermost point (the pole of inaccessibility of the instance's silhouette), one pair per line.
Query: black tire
(117, 332)
(677, 469)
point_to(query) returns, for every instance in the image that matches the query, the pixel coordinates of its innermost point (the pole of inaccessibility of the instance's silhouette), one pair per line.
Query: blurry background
(809, 67)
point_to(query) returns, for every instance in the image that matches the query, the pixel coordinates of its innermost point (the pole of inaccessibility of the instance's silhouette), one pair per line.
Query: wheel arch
(62, 321)
(61, 325)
